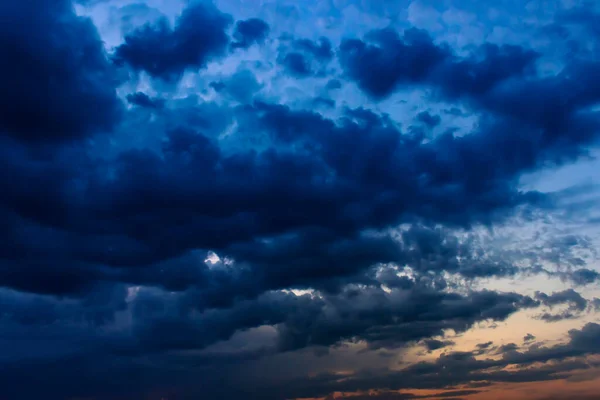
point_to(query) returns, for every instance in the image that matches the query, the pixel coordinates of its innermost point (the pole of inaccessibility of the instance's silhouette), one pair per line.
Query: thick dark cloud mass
(320, 321)
(320, 50)
(165, 52)
(306, 58)
(582, 15)
(575, 302)
(584, 276)
(241, 86)
(296, 65)
(143, 100)
(125, 222)
(434, 344)
(55, 79)
(300, 320)
(431, 121)
(456, 368)
(249, 32)
(163, 237)
(387, 60)
(495, 79)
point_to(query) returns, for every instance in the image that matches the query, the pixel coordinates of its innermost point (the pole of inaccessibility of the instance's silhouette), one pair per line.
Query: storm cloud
(189, 199)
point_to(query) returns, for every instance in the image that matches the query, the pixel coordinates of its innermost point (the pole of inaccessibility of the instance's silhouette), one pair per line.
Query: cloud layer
(220, 190)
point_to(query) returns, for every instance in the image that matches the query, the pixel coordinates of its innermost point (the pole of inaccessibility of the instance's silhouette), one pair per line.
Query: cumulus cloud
(57, 83)
(143, 100)
(249, 32)
(303, 58)
(576, 304)
(199, 34)
(434, 344)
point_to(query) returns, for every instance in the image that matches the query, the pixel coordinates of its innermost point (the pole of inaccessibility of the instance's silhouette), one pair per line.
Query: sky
(273, 199)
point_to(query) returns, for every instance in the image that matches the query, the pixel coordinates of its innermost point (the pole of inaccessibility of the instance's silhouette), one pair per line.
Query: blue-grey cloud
(56, 81)
(165, 52)
(138, 239)
(143, 100)
(303, 58)
(249, 32)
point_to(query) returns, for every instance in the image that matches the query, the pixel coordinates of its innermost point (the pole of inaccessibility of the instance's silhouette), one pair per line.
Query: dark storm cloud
(460, 368)
(528, 338)
(582, 15)
(354, 314)
(241, 86)
(55, 80)
(303, 58)
(323, 102)
(584, 276)
(575, 302)
(249, 32)
(126, 222)
(563, 251)
(326, 321)
(507, 348)
(333, 84)
(484, 346)
(596, 304)
(443, 179)
(547, 317)
(490, 65)
(199, 34)
(429, 316)
(143, 100)
(103, 250)
(320, 50)
(434, 344)
(386, 59)
(96, 309)
(499, 80)
(297, 65)
(434, 249)
(380, 178)
(431, 121)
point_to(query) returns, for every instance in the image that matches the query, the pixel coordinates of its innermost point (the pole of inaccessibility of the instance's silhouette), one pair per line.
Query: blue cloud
(307, 58)
(200, 34)
(56, 81)
(330, 207)
(249, 32)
